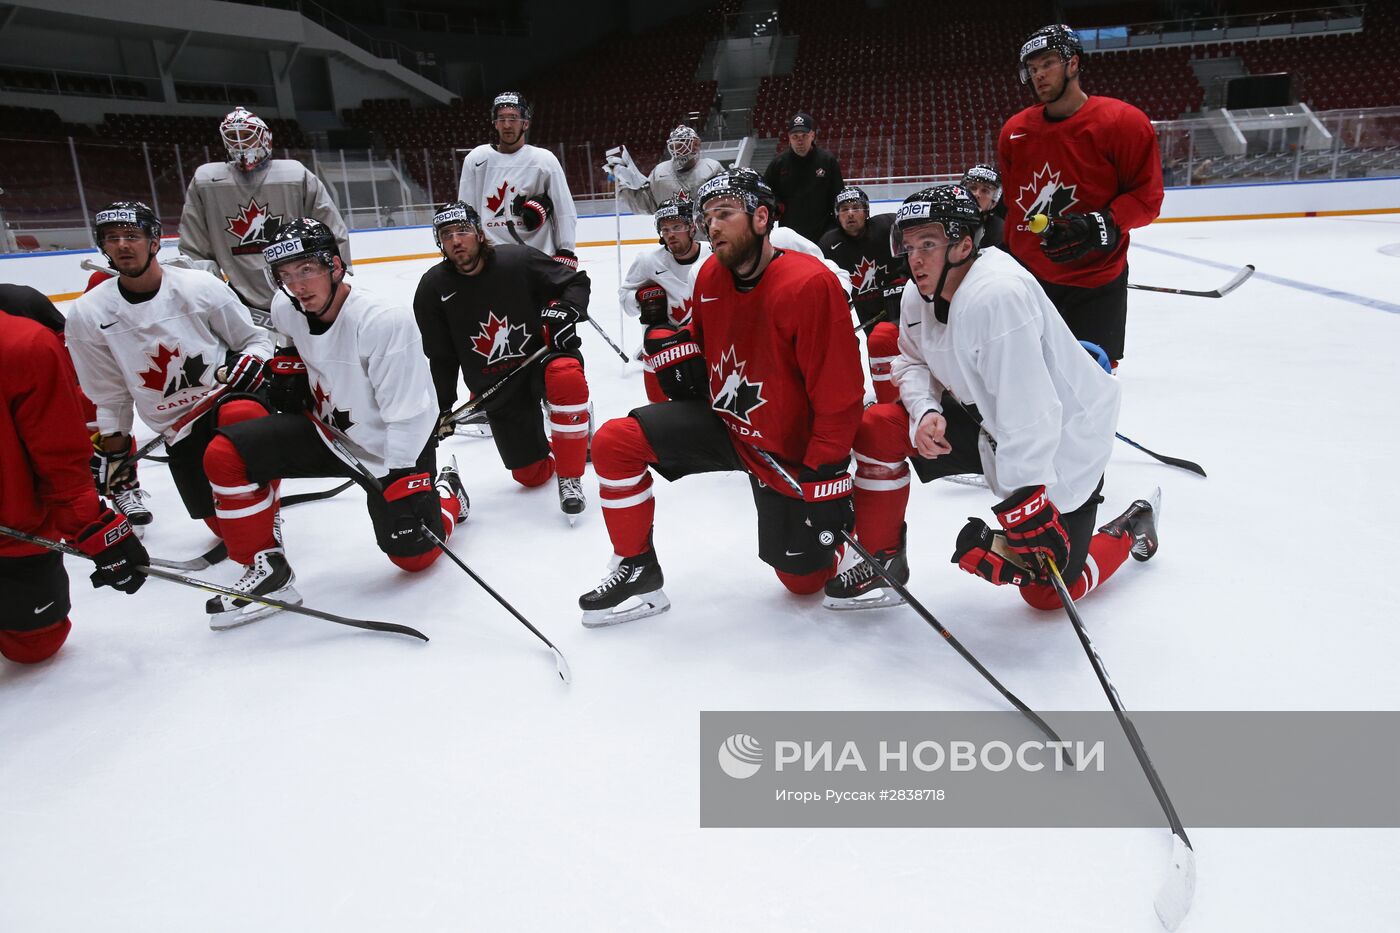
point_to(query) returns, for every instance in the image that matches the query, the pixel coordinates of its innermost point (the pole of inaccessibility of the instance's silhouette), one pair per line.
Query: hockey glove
(532, 209)
(559, 318)
(654, 305)
(111, 470)
(1074, 236)
(829, 507)
(1033, 529)
(980, 553)
(116, 551)
(620, 166)
(675, 358)
(288, 386)
(566, 257)
(411, 502)
(243, 373)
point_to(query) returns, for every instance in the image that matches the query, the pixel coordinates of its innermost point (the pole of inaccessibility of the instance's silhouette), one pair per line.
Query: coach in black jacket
(806, 180)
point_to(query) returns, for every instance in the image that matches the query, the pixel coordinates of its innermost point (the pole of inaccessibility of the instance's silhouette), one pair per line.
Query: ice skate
(857, 584)
(130, 500)
(449, 484)
(1140, 521)
(571, 500)
(268, 575)
(630, 578)
(473, 424)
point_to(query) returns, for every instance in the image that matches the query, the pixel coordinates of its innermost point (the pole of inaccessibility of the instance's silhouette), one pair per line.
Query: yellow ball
(1038, 223)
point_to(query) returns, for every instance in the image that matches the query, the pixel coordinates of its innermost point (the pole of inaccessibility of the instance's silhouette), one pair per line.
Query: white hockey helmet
(247, 139)
(683, 145)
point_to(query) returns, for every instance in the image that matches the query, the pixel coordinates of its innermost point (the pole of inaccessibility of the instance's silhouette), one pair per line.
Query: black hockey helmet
(680, 207)
(510, 99)
(852, 193)
(950, 206)
(1056, 38)
(744, 184)
(128, 213)
(302, 238)
(451, 214)
(984, 174)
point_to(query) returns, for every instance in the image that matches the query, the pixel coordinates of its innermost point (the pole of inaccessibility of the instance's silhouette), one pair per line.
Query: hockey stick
(1169, 461)
(219, 553)
(1174, 899)
(337, 440)
(872, 322)
(1239, 279)
(927, 616)
(461, 411)
(225, 590)
(200, 408)
(604, 334)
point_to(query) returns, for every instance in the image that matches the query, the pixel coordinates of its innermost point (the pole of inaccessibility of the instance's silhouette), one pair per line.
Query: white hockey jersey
(492, 180)
(230, 216)
(369, 376)
(664, 183)
(158, 355)
(1048, 410)
(675, 277)
(787, 238)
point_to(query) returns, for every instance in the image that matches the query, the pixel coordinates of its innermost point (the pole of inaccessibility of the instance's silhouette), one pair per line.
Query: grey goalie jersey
(665, 183)
(230, 216)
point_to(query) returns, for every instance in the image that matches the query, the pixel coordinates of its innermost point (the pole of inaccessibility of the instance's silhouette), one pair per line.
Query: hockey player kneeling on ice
(153, 337)
(990, 381)
(768, 367)
(483, 311)
(355, 361)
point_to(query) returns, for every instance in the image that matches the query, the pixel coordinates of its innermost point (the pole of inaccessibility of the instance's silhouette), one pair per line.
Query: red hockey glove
(243, 373)
(976, 553)
(533, 210)
(1033, 529)
(116, 551)
(288, 385)
(654, 305)
(410, 501)
(566, 257)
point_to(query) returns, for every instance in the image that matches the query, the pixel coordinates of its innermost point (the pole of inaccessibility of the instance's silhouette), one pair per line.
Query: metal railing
(1312, 20)
(419, 62)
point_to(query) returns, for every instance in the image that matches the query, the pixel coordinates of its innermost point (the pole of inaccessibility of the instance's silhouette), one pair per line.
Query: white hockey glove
(620, 166)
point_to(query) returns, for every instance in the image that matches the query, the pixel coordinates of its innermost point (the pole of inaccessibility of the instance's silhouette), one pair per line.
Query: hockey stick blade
(1239, 279)
(199, 584)
(1177, 462)
(1178, 890)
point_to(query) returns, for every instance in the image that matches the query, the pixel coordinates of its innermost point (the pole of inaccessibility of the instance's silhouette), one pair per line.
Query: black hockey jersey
(877, 277)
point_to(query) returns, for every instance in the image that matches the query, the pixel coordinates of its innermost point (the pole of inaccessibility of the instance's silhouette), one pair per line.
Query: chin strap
(941, 304)
(135, 275)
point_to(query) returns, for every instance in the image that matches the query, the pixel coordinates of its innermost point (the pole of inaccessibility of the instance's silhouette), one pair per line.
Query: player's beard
(468, 261)
(857, 223)
(739, 254)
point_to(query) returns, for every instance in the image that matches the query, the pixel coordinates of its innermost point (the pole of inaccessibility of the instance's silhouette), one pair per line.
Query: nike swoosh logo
(104, 327)
(793, 553)
(479, 164)
(447, 296)
(44, 606)
(703, 298)
(659, 272)
(1018, 135)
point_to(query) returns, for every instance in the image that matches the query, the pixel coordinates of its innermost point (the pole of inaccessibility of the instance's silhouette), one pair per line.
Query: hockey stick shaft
(927, 616)
(1235, 282)
(604, 334)
(461, 411)
(196, 583)
(200, 408)
(337, 439)
(872, 322)
(1169, 461)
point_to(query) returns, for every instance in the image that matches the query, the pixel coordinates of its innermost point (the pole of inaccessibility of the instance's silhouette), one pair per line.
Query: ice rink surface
(298, 775)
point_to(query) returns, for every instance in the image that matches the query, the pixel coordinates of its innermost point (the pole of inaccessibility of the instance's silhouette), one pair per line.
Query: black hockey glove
(532, 209)
(288, 386)
(980, 553)
(111, 470)
(559, 318)
(830, 509)
(1033, 529)
(566, 257)
(410, 501)
(116, 551)
(654, 305)
(675, 358)
(243, 373)
(1074, 236)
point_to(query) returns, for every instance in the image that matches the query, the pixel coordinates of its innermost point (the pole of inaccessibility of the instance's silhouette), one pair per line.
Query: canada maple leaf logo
(499, 340)
(681, 315)
(1047, 194)
(254, 225)
(495, 201)
(737, 396)
(864, 277)
(170, 373)
(338, 418)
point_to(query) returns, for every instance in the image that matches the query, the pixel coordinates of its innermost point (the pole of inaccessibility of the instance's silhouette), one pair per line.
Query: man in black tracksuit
(806, 180)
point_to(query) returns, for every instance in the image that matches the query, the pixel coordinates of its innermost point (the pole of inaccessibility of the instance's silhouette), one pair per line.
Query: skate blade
(650, 604)
(882, 599)
(472, 430)
(223, 621)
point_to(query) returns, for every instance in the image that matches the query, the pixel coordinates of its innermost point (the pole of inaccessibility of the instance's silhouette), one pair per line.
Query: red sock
(536, 474)
(807, 583)
(882, 475)
(654, 391)
(621, 455)
(34, 646)
(566, 394)
(246, 512)
(1106, 554)
(413, 563)
(882, 346)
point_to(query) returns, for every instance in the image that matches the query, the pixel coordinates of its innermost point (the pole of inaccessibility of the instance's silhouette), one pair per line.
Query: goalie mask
(295, 242)
(683, 145)
(127, 214)
(247, 139)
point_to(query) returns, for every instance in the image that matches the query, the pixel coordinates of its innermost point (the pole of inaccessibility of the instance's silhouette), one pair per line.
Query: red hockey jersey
(784, 365)
(1104, 156)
